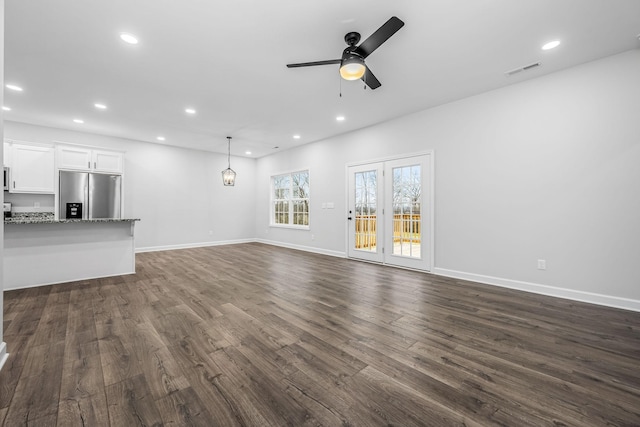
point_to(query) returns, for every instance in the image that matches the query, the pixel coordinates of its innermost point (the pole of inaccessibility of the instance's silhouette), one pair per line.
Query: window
(290, 199)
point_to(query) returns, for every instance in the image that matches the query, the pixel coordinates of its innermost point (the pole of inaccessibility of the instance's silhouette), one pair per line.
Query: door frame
(430, 199)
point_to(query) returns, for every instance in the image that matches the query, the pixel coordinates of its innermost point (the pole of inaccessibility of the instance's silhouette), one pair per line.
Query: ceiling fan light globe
(352, 69)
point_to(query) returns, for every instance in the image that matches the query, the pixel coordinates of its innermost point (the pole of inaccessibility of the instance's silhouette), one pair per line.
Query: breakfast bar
(40, 250)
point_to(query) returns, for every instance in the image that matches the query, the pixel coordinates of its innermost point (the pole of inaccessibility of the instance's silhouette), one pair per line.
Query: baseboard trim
(37, 285)
(320, 251)
(192, 245)
(3, 354)
(589, 297)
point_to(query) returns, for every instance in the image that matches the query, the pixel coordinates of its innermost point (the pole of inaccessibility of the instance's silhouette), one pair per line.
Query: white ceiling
(227, 60)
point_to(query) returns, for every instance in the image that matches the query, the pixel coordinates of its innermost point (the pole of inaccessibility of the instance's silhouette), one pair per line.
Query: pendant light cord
(229, 152)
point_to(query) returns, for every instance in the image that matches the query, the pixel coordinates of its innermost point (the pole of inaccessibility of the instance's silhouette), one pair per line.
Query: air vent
(520, 69)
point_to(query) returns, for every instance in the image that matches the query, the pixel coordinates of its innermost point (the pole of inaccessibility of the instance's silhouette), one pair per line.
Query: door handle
(349, 218)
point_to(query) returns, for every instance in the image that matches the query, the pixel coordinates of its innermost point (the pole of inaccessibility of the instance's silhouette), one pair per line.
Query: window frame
(290, 199)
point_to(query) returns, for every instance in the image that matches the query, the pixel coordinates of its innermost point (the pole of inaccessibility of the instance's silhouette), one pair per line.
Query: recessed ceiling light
(340, 118)
(5, 108)
(14, 87)
(247, 152)
(189, 111)
(551, 45)
(129, 38)
(78, 121)
(160, 138)
(296, 136)
(100, 106)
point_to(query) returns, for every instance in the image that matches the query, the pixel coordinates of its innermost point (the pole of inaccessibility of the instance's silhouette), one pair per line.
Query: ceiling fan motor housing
(352, 38)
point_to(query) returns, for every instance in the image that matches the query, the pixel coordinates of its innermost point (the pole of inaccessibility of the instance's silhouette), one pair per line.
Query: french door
(389, 218)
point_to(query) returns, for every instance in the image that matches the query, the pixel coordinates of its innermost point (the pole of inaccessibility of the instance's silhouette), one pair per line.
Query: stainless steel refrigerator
(89, 195)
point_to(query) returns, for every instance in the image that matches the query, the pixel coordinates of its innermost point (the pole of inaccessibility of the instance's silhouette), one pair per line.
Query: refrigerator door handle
(87, 212)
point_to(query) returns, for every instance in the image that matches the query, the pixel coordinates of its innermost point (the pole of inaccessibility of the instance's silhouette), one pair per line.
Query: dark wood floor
(255, 335)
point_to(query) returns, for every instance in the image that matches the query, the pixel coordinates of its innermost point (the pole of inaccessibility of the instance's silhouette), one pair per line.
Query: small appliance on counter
(7, 209)
(74, 210)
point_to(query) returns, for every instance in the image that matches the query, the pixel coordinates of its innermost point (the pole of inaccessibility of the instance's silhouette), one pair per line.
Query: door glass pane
(407, 197)
(366, 185)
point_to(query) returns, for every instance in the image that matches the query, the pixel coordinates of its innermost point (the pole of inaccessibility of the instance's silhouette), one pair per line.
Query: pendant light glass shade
(228, 175)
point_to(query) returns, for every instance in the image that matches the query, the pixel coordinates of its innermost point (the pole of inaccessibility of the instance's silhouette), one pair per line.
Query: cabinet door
(32, 169)
(6, 151)
(107, 161)
(76, 158)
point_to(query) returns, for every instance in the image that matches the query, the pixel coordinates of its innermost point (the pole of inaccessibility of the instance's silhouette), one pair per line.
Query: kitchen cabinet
(89, 160)
(6, 151)
(107, 161)
(32, 168)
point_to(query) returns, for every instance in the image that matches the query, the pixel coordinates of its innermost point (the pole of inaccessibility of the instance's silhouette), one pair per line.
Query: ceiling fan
(352, 66)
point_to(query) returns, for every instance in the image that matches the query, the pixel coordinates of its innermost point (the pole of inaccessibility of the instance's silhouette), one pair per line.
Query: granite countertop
(49, 218)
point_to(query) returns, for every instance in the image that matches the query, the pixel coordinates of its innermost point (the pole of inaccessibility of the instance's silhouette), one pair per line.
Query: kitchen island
(40, 250)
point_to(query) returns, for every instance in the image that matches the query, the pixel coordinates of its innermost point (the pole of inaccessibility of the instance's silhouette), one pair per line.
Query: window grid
(290, 199)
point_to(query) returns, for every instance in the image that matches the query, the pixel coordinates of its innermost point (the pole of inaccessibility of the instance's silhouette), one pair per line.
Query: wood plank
(204, 377)
(262, 395)
(130, 403)
(82, 378)
(396, 403)
(35, 399)
(84, 411)
(184, 408)
(252, 334)
(162, 373)
(117, 359)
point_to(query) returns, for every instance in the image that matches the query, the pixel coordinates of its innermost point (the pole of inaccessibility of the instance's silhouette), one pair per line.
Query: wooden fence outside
(405, 227)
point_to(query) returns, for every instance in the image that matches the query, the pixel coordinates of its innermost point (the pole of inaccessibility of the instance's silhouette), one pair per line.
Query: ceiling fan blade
(380, 36)
(310, 64)
(370, 80)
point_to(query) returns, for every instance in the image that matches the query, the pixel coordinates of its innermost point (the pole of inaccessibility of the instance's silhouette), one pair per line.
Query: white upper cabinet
(6, 151)
(32, 169)
(107, 161)
(87, 159)
(74, 158)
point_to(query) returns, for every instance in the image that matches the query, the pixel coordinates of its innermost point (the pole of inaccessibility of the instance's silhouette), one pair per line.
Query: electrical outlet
(36, 204)
(313, 237)
(210, 232)
(542, 264)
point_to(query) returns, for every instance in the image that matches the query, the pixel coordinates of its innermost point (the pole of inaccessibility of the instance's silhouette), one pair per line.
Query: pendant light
(228, 175)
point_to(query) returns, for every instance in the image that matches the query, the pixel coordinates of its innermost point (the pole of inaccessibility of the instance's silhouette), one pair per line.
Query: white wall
(177, 193)
(545, 169)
